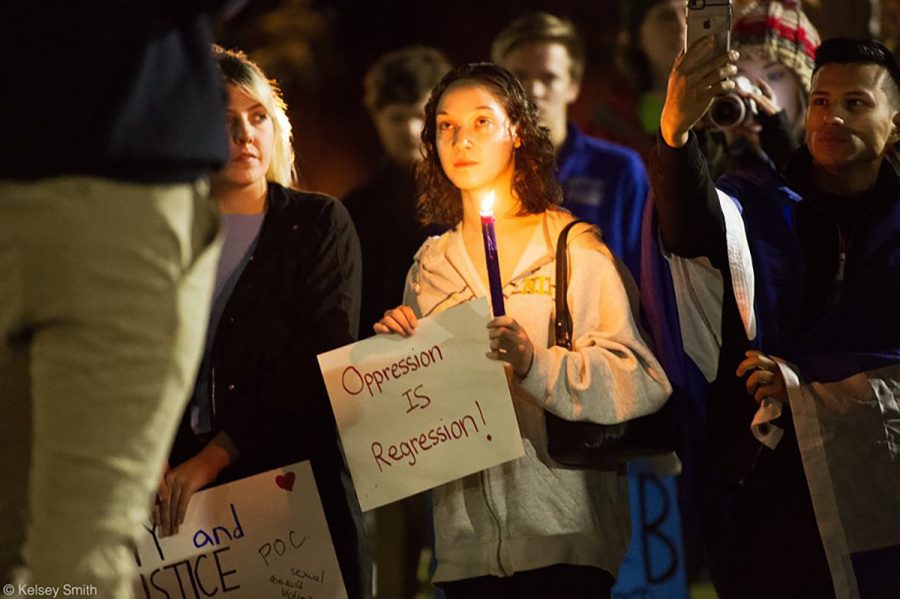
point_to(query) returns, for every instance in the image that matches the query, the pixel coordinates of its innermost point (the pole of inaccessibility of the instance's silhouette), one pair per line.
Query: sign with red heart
(285, 481)
(250, 537)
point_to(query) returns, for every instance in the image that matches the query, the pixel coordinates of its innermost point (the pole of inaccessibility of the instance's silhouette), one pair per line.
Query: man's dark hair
(534, 181)
(404, 76)
(842, 50)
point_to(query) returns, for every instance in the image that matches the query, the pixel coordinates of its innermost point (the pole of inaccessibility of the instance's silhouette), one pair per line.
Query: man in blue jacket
(787, 286)
(603, 183)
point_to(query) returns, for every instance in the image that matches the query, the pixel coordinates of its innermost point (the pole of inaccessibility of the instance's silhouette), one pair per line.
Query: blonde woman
(287, 288)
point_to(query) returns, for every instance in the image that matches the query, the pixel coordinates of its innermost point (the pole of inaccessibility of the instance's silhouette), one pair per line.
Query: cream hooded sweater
(529, 513)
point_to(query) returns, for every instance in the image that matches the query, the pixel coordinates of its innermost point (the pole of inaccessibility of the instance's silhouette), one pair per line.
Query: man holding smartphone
(794, 278)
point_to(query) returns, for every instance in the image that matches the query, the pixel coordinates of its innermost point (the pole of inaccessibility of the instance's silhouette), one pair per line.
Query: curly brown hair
(534, 183)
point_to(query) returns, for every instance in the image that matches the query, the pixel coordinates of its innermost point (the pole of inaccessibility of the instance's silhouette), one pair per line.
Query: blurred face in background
(784, 84)
(545, 71)
(663, 32)
(399, 128)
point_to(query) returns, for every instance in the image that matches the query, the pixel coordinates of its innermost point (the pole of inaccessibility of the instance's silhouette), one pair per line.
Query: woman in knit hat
(777, 44)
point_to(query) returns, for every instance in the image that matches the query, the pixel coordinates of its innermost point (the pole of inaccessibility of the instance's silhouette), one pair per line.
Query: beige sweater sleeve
(611, 375)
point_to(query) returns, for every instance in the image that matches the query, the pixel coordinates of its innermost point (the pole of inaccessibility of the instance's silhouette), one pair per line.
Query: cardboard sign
(653, 566)
(258, 537)
(420, 411)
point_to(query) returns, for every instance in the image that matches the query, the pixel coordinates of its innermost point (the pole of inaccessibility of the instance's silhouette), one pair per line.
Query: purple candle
(490, 253)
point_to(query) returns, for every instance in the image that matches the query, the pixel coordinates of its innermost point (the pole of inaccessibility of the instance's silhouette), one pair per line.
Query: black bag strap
(585, 444)
(563, 318)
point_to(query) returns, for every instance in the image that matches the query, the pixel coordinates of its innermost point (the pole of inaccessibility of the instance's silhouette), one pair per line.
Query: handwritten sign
(420, 411)
(262, 536)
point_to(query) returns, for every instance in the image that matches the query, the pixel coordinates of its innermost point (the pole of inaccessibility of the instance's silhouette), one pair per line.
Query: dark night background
(319, 51)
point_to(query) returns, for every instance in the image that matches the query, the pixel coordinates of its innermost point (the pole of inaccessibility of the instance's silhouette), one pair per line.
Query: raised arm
(691, 223)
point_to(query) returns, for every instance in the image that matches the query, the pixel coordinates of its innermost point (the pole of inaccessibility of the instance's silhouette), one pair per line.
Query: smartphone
(709, 16)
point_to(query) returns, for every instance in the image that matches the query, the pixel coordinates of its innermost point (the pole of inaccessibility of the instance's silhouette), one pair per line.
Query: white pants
(104, 300)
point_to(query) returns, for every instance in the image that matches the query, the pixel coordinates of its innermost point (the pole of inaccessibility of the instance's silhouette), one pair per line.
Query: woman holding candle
(525, 528)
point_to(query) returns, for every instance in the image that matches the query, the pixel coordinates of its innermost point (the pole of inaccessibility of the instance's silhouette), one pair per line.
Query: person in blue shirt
(603, 183)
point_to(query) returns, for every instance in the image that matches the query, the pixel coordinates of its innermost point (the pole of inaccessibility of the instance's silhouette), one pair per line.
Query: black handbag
(598, 446)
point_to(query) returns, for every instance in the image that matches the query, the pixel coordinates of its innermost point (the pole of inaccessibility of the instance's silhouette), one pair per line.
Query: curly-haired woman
(526, 528)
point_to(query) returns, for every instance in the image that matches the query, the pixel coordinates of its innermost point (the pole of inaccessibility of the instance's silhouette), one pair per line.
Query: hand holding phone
(705, 17)
(698, 77)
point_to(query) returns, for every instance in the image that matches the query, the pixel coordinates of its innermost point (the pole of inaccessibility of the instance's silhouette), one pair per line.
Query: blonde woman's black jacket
(298, 296)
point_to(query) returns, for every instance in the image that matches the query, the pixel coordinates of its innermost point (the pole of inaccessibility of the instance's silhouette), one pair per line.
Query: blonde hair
(237, 69)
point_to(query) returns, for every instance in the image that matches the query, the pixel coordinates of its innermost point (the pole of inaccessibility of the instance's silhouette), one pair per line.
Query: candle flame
(487, 204)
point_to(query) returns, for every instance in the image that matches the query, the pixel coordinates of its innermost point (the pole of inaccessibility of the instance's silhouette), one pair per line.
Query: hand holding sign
(180, 483)
(508, 341)
(262, 536)
(418, 411)
(401, 320)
